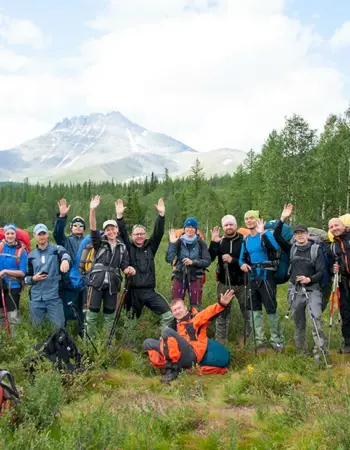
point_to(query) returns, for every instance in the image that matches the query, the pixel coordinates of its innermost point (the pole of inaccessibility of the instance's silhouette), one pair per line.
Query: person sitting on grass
(185, 343)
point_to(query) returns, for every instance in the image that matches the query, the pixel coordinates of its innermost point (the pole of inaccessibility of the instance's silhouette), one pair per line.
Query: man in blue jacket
(256, 261)
(68, 291)
(45, 265)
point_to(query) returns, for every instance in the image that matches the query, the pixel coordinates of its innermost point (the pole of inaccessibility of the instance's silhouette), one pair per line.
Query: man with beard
(142, 250)
(340, 259)
(254, 260)
(229, 275)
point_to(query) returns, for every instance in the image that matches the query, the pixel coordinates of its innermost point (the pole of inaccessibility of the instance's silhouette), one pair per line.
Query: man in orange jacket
(184, 343)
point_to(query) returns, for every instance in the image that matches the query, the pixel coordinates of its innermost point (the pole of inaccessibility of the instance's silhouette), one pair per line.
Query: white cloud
(225, 77)
(21, 31)
(210, 73)
(341, 36)
(10, 61)
(20, 128)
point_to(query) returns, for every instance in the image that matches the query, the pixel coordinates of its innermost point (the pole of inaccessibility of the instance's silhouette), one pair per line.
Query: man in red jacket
(184, 343)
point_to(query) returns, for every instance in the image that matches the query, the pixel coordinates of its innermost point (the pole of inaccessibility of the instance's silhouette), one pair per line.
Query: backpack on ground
(8, 390)
(60, 349)
(23, 243)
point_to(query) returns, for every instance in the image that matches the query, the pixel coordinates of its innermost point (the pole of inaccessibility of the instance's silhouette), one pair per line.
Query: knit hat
(191, 222)
(78, 220)
(252, 213)
(228, 219)
(10, 226)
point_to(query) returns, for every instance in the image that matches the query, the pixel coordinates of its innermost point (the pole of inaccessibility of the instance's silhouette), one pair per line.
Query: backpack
(23, 243)
(8, 391)
(60, 349)
(280, 257)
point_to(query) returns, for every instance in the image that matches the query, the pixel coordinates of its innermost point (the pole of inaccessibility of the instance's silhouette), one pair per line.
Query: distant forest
(295, 165)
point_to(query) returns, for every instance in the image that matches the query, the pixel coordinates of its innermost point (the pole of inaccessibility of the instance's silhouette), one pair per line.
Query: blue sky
(199, 70)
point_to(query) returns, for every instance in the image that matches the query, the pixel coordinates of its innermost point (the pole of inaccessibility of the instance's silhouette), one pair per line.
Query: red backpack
(8, 391)
(23, 240)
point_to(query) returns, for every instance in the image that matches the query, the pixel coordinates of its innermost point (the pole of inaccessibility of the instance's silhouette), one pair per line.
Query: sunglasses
(78, 225)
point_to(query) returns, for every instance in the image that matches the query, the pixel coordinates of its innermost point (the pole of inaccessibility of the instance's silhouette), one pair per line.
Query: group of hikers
(81, 273)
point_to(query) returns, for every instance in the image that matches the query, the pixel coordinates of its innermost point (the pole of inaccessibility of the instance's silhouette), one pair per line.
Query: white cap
(109, 222)
(228, 219)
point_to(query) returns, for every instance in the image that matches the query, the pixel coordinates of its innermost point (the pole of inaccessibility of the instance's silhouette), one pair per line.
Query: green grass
(266, 402)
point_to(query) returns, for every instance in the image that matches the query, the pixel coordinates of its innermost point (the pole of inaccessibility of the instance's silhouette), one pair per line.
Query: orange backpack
(23, 243)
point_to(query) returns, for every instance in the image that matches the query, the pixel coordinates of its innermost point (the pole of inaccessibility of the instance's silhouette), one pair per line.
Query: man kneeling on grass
(185, 343)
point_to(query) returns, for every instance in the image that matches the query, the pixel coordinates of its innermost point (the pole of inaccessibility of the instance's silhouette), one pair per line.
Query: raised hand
(215, 234)
(172, 236)
(260, 224)
(95, 201)
(160, 207)
(119, 208)
(287, 211)
(226, 298)
(63, 208)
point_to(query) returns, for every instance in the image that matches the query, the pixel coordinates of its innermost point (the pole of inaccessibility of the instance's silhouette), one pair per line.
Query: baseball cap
(40, 228)
(302, 228)
(109, 222)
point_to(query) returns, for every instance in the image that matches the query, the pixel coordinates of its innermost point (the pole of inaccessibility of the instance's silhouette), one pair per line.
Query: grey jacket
(47, 260)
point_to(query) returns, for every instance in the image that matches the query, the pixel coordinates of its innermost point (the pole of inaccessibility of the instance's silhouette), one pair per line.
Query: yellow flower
(250, 368)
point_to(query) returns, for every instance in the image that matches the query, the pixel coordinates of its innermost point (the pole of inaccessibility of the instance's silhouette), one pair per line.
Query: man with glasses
(71, 243)
(142, 251)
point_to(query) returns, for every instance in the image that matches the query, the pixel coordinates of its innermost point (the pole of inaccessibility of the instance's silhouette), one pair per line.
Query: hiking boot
(166, 319)
(108, 322)
(261, 349)
(91, 323)
(259, 328)
(171, 373)
(14, 320)
(279, 348)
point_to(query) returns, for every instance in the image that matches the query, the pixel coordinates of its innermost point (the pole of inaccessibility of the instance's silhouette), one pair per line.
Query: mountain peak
(94, 119)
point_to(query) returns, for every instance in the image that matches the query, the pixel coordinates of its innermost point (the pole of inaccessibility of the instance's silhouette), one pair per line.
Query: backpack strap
(292, 253)
(20, 247)
(314, 252)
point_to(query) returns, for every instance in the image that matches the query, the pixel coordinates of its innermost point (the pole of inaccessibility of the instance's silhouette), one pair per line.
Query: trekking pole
(287, 315)
(331, 308)
(245, 309)
(252, 312)
(118, 311)
(227, 276)
(78, 318)
(7, 325)
(315, 326)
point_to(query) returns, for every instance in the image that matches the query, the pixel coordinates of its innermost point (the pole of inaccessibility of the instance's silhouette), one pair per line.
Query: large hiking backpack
(82, 263)
(60, 349)
(8, 390)
(280, 257)
(23, 243)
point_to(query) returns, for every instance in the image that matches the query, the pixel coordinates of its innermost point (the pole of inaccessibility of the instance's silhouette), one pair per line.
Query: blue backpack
(77, 279)
(282, 272)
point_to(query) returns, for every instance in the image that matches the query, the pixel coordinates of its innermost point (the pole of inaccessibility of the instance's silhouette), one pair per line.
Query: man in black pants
(340, 259)
(142, 290)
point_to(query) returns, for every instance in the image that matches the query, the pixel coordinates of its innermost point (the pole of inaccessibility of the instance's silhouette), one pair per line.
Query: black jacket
(142, 258)
(107, 261)
(301, 264)
(231, 246)
(340, 252)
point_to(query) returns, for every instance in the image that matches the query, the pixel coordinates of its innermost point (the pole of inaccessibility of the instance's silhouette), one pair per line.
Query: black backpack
(60, 349)
(8, 390)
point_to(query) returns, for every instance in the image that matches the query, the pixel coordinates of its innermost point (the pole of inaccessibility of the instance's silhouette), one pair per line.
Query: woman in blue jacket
(13, 266)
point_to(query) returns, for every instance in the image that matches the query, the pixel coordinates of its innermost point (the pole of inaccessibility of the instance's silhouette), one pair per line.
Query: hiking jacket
(107, 263)
(142, 258)
(45, 260)
(340, 252)
(254, 251)
(70, 243)
(193, 327)
(8, 261)
(301, 264)
(231, 246)
(197, 251)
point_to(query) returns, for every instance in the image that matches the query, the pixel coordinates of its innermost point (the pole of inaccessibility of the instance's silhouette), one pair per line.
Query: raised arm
(60, 222)
(158, 231)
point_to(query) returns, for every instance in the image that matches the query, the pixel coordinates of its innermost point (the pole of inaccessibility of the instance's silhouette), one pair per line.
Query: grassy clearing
(266, 402)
